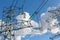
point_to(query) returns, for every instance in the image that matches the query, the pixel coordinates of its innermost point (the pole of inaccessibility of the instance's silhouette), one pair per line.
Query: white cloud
(44, 26)
(43, 14)
(34, 24)
(40, 32)
(25, 17)
(46, 20)
(49, 20)
(55, 30)
(51, 8)
(18, 38)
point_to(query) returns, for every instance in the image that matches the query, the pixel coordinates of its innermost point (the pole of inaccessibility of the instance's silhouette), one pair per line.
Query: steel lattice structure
(9, 14)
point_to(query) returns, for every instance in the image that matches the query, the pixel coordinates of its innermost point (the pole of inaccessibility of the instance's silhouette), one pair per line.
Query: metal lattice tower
(9, 22)
(8, 17)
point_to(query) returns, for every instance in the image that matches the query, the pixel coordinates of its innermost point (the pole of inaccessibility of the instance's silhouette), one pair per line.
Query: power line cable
(38, 9)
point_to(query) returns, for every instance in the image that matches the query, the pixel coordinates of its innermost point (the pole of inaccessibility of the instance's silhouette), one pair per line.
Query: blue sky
(31, 6)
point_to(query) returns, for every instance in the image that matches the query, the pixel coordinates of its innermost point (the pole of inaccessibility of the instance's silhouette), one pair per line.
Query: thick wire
(39, 8)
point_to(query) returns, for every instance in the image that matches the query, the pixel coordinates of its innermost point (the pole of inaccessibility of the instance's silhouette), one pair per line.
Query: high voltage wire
(39, 8)
(14, 2)
(22, 7)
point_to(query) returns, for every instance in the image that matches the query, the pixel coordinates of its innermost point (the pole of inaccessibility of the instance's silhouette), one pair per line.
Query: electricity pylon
(9, 19)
